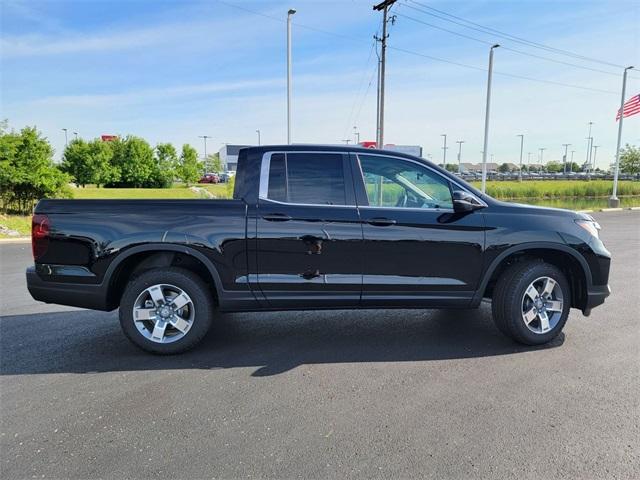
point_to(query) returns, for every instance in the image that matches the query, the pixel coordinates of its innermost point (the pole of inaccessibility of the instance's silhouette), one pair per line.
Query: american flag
(631, 107)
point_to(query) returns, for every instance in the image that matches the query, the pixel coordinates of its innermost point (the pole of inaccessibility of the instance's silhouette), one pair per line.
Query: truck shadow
(273, 343)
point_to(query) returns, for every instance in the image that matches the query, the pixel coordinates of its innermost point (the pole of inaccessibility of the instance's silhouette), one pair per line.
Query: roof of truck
(315, 147)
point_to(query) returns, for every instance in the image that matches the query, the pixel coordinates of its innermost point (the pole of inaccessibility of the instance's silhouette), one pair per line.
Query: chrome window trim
(428, 167)
(265, 165)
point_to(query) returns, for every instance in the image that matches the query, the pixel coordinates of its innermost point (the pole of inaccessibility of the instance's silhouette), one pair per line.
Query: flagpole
(614, 201)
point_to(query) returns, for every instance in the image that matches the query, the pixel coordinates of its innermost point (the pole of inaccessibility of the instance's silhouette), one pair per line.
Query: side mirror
(465, 202)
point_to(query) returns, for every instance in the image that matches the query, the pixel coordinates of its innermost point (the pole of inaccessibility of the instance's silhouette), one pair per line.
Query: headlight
(590, 226)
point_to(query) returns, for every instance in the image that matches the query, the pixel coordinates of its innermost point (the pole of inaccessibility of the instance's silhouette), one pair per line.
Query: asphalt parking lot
(384, 394)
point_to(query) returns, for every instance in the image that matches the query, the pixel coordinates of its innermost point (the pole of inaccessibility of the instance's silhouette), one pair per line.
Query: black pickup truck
(318, 227)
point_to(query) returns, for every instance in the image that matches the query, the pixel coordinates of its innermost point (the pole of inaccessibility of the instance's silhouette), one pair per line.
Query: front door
(418, 251)
(309, 236)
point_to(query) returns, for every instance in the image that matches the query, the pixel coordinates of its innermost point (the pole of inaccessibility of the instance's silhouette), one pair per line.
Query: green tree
(89, 162)
(554, 167)
(75, 162)
(27, 172)
(101, 156)
(450, 167)
(573, 167)
(133, 157)
(630, 159)
(504, 168)
(190, 168)
(214, 164)
(166, 164)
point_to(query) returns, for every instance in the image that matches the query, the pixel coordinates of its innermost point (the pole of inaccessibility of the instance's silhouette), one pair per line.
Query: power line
(360, 86)
(437, 59)
(357, 117)
(504, 74)
(486, 42)
(482, 28)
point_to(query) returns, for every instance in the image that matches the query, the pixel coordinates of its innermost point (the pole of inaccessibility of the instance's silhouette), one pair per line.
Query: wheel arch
(570, 262)
(144, 257)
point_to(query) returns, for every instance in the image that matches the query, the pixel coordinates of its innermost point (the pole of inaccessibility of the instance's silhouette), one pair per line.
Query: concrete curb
(618, 209)
(634, 208)
(584, 211)
(15, 240)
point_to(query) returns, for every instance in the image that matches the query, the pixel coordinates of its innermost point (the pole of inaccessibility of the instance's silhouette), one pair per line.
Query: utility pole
(486, 119)
(204, 137)
(521, 150)
(356, 135)
(459, 142)
(614, 201)
(258, 132)
(290, 13)
(566, 146)
(66, 140)
(444, 149)
(384, 6)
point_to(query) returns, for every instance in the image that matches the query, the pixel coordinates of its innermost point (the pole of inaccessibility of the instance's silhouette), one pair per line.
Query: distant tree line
(129, 162)
(28, 173)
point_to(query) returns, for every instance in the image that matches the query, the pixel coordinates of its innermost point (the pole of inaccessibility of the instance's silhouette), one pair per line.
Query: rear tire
(531, 302)
(166, 311)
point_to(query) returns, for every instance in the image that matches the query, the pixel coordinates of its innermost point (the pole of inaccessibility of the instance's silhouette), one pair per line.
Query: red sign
(108, 138)
(368, 144)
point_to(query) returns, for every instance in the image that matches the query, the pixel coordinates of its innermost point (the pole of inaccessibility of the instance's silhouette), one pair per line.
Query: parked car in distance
(225, 177)
(318, 227)
(210, 178)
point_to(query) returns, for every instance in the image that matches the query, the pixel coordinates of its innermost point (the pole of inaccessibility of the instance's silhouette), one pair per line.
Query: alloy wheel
(542, 305)
(163, 313)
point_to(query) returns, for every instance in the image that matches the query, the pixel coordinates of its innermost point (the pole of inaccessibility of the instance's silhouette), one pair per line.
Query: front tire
(531, 302)
(166, 311)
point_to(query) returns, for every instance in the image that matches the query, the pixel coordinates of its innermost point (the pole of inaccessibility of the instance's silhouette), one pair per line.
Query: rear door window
(307, 178)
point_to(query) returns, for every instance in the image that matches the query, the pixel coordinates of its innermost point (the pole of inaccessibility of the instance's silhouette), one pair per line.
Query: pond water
(578, 203)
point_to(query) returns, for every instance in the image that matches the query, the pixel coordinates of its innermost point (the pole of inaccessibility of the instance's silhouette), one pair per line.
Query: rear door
(309, 236)
(417, 250)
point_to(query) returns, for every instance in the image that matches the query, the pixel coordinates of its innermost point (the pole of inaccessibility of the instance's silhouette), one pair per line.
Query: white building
(229, 156)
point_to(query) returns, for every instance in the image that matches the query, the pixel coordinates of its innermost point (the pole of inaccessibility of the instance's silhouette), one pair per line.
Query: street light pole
(204, 137)
(542, 156)
(614, 201)
(521, 150)
(258, 132)
(444, 149)
(459, 142)
(595, 152)
(290, 13)
(587, 160)
(529, 161)
(356, 135)
(66, 139)
(571, 165)
(566, 146)
(75, 135)
(486, 120)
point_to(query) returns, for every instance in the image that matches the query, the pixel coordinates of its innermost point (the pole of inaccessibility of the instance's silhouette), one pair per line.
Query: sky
(170, 71)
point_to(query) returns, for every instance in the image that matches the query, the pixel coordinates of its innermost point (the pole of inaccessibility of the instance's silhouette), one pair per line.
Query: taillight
(39, 235)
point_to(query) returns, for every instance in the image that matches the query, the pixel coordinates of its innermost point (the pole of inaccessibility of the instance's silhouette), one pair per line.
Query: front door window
(392, 182)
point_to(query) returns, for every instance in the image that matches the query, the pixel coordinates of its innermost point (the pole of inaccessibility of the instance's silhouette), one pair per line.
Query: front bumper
(93, 296)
